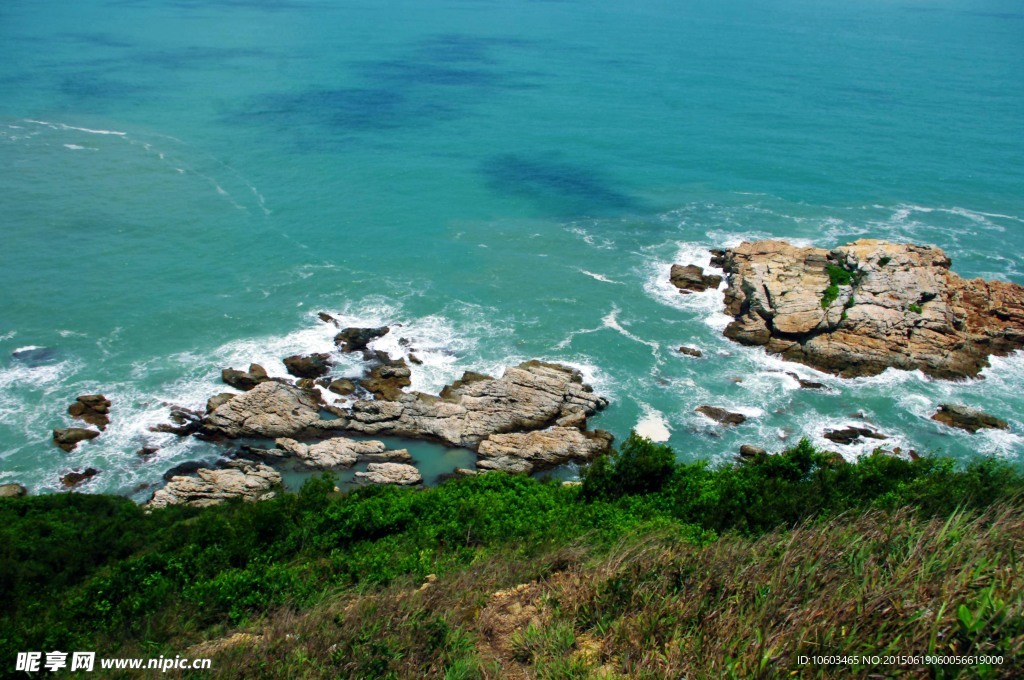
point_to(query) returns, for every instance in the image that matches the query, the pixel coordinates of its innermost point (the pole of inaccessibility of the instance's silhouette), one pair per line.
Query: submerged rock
(692, 278)
(240, 479)
(185, 422)
(270, 409)
(869, 305)
(74, 478)
(966, 418)
(852, 434)
(722, 416)
(357, 339)
(530, 451)
(390, 473)
(67, 438)
(93, 409)
(531, 396)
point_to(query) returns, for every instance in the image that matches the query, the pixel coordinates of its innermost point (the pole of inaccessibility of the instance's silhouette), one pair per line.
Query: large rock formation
(238, 480)
(531, 396)
(93, 409)
(692, 279)
(271, 409)
(967, 418)
(869, 305)
(12, 491)
(529, 451)
(67, 438)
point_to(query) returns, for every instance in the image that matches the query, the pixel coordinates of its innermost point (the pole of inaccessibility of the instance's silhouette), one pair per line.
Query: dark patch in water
(93, 85)
(566, 188)
(34, 357)
(996, 15)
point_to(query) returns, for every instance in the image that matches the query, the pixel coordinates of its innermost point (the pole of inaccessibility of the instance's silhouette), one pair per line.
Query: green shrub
(640, 466)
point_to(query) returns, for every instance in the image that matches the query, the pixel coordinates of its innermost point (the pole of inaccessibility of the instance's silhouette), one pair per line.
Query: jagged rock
(270, 409)
(722, 416)
(342, 386)
(692, 278)
(357, 339)
(35, 357)
(531, 396)
(966, 418)
(309, 366)
(751, 451)
(806, 384)
(529, 451)
(186, 422)
(327, 318)
(243, 380)
(67, 438)
(413, 359)
(341, 452)
(187, 468)
(219, 400)
(387, 380)
(390, 473)
(147, 452)
(93, 409)
(717, 258)
(691, 351)
(12, 491)
(239, 479)
(891, 306)
(75, 477)
(850, 435)
(465, 472)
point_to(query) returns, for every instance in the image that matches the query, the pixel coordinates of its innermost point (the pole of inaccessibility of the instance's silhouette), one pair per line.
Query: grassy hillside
(649, 569)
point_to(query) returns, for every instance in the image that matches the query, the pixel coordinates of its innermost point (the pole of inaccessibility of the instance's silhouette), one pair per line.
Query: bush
(639, 467)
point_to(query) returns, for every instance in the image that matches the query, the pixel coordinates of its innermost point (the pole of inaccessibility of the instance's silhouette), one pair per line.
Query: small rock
(718, 258)
(390, 473)
(12, 491)
(357, 339)
(966, 418)
(806, 384)
(327, 318)
(243, 380)
(692, 278)
(218, 400)
(75, 477)
(722, 416)
(751, 451)
(413, 359)
(186, 422)
(387, 380)
(691, 351)
(850, 435)
(147, 452)
(309, 366)
(93, 409)
(342, 386)
(67, 438)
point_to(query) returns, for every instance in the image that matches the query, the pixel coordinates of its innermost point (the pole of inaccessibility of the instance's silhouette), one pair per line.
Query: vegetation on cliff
(648, 569)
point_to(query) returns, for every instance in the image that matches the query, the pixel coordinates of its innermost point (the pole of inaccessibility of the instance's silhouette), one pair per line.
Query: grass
(536, 577)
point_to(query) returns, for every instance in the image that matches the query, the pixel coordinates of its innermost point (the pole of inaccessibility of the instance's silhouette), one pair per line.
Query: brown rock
(691, 351)
(891, 306)
(722, 416)
(967, 418)
(751, 451)
(75, 477)
(692, 278)
(219, 400)
(529, 451)
(357, 339)
(12, 491)
(342, 386)
(239, 479)
(850, 435)
(93, 409)
(67, 438)
(308, 366)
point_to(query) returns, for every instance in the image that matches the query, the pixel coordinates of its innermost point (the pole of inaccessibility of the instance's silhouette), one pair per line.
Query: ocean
(184, 184)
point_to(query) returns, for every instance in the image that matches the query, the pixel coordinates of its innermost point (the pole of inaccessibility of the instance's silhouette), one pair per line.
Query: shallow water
(185, 184)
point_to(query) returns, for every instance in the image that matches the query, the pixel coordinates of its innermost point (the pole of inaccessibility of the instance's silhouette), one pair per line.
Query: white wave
(611, 320)
(8, 335)
(74, 147)
(652, 424)
(599, 277)
(62, 126)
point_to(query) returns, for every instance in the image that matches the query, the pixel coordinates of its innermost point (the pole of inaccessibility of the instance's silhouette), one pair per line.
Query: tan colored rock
(250, 482)
(390, 473)
(341, 452)
(531, 396)
(270, 409)
(93, 409)
(903, 309)
(529, 451)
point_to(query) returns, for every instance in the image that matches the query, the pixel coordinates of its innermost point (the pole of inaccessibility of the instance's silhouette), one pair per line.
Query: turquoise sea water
(184, 184)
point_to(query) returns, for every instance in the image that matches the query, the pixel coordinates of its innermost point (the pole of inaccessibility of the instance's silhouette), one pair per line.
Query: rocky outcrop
(184, 422)
(692, 279)
(720, 415)
(93, 409)
(867, 306)
(530, 451)
(966, 418)
(342, 386)
(357, 339)
(751, 451)
(387, 379)
(531, 396)
(390, 473)
(308, 366)
(240, 479)
(67, 438)
(691, 351)
(245, 380)
(341, 452)
(74, 478)
(12, 491)
(219, 400)
(270, 409)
